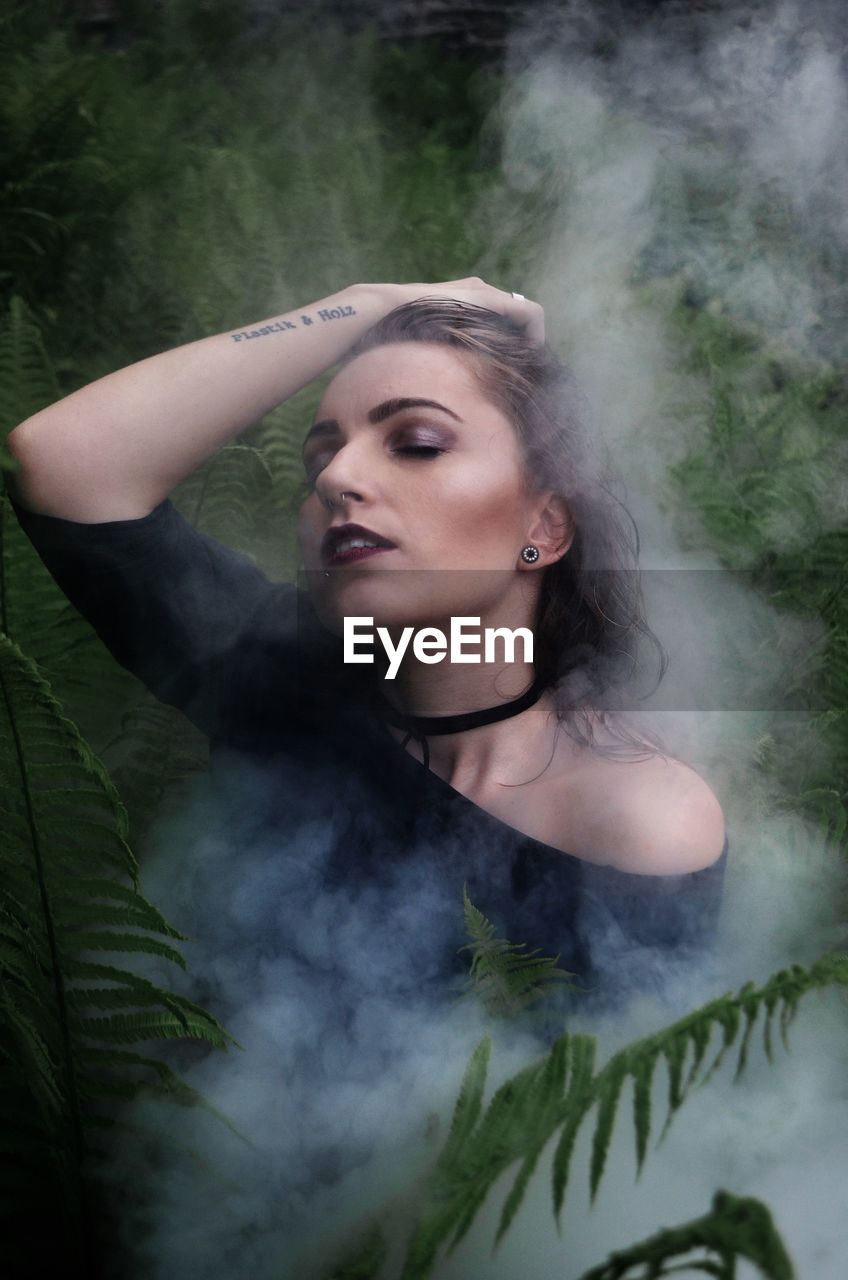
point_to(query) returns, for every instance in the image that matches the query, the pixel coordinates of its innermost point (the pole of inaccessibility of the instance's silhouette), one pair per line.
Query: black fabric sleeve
(673, 913)
(174, 606)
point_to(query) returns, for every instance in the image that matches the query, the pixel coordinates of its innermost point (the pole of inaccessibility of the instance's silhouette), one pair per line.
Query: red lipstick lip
(331, 543)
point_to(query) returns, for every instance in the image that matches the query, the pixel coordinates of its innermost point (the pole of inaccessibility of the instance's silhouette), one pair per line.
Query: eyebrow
(380, 412)
(390, 407)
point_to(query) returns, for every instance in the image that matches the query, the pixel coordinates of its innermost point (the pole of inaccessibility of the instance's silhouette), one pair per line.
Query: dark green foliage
(765, 476)
(154, 751)
(762, 472)
(165, 199)
(504, 976)
(28, 380)
(33, 612)
(734, 1228)
(364, 1260)
(69, 906)
(427, 96)
(61, 175)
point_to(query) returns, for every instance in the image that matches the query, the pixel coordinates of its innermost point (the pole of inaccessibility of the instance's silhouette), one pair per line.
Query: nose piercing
(331, 502)
(529, 554)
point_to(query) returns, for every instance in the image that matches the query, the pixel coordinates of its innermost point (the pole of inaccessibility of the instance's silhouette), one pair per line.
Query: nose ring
(331, 502)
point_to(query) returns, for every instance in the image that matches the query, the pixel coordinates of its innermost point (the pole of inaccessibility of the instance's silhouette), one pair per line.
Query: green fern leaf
(734, 1228)
(543, 1100)
(551, 1088)
(104, 940)
(141, 913)
(227, 496)
(674, 1052)
(35, 614)
(504, 976)
(577, 1104)
(608, 1093)
(643, 1078)
(469, 1103)
(27, 378)
(153, 753)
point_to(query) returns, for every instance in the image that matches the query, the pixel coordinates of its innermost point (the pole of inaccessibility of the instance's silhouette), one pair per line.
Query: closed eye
(419, 450)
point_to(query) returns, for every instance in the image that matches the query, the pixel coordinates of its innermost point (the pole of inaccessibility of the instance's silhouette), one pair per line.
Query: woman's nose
(342, 481)
(342, 498)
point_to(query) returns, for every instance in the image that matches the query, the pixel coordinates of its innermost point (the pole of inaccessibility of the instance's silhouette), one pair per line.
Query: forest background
(200, 165)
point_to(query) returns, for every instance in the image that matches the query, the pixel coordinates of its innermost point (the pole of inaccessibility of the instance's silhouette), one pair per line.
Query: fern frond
(580, 1091)
(155, 750)
(69, 888)
(735, 1228)
(552, 1085)
(27, 379)
(224, 497)
(35, 614)
(469, 1103)
(504, 976)
(557, 1094)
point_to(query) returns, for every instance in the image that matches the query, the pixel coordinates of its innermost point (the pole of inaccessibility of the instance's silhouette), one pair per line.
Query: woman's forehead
(413, 370)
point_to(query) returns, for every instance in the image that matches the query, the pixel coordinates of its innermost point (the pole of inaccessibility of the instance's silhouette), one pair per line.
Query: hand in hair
(528, 315)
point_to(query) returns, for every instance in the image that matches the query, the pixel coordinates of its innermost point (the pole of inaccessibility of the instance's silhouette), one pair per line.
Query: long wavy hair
(591, 638)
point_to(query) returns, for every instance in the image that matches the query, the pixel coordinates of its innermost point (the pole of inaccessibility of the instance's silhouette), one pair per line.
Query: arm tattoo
(280, 326)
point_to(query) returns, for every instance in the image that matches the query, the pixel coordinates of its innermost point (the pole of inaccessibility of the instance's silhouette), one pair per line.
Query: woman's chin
(379, 595)
(390, 598)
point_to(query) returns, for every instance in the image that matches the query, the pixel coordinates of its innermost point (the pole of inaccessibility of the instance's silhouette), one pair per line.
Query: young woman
(452, 494)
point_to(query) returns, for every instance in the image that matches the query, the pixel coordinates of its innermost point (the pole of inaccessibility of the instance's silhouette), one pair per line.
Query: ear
(551, 529)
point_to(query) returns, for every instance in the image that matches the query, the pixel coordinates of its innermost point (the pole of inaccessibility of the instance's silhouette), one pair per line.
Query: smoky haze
(711, 151)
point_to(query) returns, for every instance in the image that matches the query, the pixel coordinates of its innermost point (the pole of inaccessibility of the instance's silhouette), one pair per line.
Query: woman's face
(411, 468)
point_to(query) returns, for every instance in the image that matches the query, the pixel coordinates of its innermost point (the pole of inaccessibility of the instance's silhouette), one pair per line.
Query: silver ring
(519, 297)
(343, 495)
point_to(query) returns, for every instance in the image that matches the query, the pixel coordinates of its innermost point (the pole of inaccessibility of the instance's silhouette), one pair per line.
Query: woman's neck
(479, 761)
(508, 750)
(452, 688)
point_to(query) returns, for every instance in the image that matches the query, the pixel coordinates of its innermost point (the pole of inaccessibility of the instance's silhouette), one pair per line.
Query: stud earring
(529, 554)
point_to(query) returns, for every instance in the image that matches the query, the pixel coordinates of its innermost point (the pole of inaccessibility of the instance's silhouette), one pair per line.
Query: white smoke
(617, 123)
(746, 106)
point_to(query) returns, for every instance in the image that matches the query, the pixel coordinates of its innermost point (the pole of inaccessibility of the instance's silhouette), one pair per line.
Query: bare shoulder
(653, 815)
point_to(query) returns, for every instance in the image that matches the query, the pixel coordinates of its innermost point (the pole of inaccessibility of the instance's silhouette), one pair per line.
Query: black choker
(431, 726)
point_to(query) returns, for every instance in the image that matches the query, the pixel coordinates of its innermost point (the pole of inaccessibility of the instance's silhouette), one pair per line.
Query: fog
(619, 122)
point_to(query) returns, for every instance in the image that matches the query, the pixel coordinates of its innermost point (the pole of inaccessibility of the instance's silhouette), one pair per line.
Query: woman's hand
(527, 315)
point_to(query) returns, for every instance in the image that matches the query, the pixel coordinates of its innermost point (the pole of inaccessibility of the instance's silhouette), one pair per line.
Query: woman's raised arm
(114, 449)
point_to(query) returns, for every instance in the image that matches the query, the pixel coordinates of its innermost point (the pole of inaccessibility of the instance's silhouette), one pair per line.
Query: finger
(529, 315)
(526, 313)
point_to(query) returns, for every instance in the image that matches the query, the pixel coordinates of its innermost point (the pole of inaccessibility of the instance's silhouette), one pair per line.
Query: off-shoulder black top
(318, 783)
